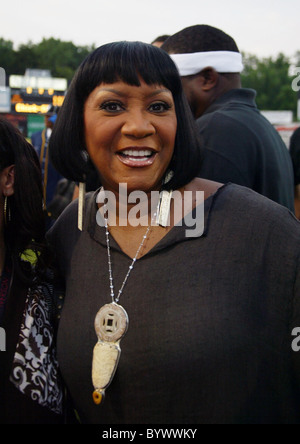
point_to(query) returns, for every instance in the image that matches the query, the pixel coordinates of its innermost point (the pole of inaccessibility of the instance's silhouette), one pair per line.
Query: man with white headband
(240, 145)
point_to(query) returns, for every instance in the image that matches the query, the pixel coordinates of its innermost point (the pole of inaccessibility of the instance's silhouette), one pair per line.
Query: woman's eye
(112, 107)
(159, 107)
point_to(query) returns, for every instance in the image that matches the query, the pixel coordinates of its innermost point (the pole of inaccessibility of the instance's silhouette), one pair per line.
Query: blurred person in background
(241, 146)
(29, 385)
(295, 155)
(160, 40)
(50, 177)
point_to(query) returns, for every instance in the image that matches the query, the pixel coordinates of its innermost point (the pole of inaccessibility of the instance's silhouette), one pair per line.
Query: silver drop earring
(165, 203)
(81, 199)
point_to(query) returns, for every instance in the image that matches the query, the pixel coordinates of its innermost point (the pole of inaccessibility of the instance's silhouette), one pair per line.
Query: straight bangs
(128, 62)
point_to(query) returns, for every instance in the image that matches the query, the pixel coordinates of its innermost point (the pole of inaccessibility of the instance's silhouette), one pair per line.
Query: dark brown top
(210, 318)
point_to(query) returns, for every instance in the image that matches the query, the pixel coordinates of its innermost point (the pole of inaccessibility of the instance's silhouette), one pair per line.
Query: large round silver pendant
(111, 322)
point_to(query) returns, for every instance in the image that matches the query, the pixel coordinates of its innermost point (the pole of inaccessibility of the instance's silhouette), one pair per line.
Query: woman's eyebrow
(112, 90)
(159, 91)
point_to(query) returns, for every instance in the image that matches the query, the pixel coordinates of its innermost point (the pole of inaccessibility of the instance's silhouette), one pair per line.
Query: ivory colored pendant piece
(111, 324)
(105, 362)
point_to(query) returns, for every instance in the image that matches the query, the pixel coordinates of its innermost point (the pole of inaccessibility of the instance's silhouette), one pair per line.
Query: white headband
(195, 62)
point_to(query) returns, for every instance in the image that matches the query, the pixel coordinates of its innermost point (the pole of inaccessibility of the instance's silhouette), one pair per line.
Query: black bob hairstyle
(125, 61)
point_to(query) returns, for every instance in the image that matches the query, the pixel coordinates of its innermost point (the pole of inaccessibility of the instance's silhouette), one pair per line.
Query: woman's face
(130, 134)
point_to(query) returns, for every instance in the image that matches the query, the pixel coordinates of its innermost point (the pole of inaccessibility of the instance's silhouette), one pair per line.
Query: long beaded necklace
(111, 324)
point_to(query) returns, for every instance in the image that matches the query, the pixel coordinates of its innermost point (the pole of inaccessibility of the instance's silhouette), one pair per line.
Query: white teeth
(137, 153)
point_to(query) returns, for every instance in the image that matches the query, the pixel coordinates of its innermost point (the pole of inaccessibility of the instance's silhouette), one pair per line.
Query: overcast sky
(261, 27)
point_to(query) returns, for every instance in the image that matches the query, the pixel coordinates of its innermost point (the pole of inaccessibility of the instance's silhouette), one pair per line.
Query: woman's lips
(137, 158)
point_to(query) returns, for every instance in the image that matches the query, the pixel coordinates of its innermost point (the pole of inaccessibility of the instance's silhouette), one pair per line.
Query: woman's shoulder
(244, 207)
(209, 187)
(64, 234)
(68, 220)
(249, 210)
(239, 196)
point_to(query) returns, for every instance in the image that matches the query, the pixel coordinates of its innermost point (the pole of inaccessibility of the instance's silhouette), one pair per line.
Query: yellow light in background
(50, 92)
(31, 108)
(41, 91)
(29, 90)
(58, 100)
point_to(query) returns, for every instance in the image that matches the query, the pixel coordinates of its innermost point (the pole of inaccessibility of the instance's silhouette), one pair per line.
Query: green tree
(7, 55)
(297, 58)
(25, 58)
(271, 79)
(61, 58)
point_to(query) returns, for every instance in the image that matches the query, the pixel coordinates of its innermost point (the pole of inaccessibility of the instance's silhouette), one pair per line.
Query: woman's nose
(138, 124)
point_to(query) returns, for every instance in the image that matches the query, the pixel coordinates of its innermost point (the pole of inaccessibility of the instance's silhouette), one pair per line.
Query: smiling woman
(205, 321)
(125, 64)
(130, 134)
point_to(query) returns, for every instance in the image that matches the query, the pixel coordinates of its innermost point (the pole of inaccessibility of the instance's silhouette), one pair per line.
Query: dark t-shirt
(295, 155)
(210, 317)
(242, 147)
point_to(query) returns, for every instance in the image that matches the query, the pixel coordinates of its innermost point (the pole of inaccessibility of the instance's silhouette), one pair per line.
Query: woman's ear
(8, 180)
